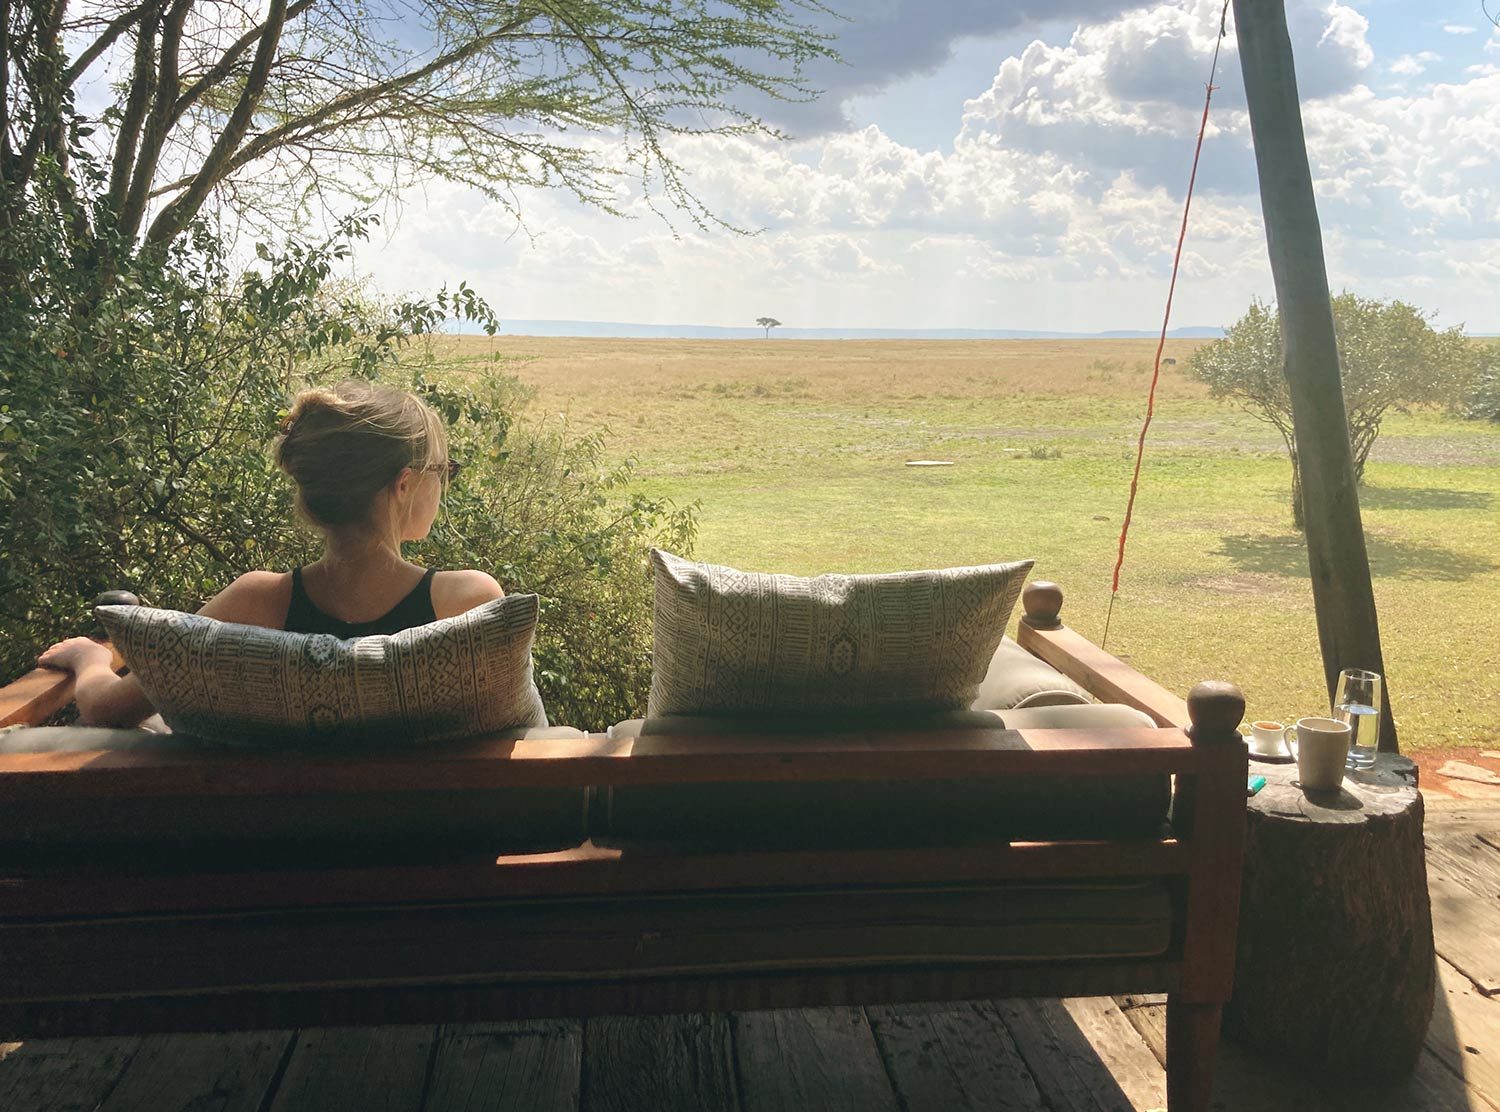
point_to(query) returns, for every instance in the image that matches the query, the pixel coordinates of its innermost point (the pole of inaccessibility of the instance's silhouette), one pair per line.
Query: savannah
(796, 454)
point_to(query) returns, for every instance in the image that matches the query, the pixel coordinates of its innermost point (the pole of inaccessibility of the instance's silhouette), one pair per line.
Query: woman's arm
(103, 698)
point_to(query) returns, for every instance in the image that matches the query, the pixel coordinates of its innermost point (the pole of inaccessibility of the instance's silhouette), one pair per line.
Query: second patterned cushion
(734, 642)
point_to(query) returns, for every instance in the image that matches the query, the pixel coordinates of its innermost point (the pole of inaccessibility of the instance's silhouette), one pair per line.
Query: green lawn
(798, 465)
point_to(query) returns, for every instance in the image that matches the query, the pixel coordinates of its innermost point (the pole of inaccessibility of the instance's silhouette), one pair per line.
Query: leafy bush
(1390, 357)
(137, 401)
(1483, 400)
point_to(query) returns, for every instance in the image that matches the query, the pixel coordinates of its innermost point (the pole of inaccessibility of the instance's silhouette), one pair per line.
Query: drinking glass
(1357, 702)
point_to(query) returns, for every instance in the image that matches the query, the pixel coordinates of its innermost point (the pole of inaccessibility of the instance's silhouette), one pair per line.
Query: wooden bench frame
(72, 936)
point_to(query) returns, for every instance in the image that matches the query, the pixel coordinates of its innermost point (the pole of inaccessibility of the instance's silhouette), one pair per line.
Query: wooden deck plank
(190, 1073)
(1465, 856)
(950, 1056)
(1120, 1049)
(675, 1063)
(823, 1058)
(62, 1075)
(1465, 927)
(1059, 1056)
(1148, 1015)
(346, 1069)
(1465, 1032)
(507, 1067)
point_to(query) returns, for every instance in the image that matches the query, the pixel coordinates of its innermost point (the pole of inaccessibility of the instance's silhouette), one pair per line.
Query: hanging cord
(1140, 448)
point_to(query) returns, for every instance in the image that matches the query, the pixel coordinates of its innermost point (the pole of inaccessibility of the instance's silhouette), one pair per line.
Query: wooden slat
(183, 1073)
(1466, 857)
(952, 1056)
(598, 761)
(1465, 1031)
(586, 870)
(63, 1075)
(507, 1067)
(674, 1063)
(823, 1058)
(35, 697)
(40, 694)
(345, 1069)
(429, 1002)
(1120, 1048)
(1058, 1055)
(1466, 930)
(1104, 676)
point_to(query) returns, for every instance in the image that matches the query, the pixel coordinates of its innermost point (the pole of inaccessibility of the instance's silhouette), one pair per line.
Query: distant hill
(620, 330)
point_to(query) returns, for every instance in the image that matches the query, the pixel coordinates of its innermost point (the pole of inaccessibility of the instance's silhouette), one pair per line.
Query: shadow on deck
(1084, 1055)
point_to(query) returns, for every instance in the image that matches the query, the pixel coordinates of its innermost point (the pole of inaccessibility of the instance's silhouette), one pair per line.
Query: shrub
(137, 401)
(1390, 357)
(1483, 400)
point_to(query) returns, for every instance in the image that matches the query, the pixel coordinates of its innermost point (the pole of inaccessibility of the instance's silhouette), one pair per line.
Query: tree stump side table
(1335, 968)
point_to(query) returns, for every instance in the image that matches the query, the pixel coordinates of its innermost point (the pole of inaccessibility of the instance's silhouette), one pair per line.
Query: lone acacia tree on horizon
(768, 323)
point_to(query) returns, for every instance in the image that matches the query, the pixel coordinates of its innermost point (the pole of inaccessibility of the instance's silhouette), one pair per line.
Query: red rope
(1140, 450)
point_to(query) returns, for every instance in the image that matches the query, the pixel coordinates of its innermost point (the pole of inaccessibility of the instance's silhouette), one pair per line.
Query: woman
(370, 465)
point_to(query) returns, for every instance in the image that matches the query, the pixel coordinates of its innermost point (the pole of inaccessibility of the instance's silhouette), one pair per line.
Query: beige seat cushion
(1015, 678)
(1089, 716)
(305, 827)
(459, 677)
(733, 642)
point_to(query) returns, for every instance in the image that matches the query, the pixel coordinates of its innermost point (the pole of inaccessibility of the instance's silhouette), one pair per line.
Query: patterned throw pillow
(458, 677)
(739, 642)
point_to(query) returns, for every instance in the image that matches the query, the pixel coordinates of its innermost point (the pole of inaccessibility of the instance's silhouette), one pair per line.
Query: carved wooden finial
(1216, 709)
(1042, 601)
(117, 598)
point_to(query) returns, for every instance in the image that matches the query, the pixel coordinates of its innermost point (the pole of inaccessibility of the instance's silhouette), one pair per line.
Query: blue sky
(975, 166)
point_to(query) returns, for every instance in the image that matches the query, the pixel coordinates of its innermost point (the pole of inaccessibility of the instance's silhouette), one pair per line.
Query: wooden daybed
(116, 917)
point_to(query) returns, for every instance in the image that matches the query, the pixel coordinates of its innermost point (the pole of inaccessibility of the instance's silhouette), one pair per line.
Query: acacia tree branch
(178, 212)
(138, 101)
(158, 124)
(230, 58)
(107, 38)
(331, 115)
(45, 91)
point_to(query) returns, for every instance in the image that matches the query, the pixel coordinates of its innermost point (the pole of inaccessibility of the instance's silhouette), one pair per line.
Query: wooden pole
(1348, 629)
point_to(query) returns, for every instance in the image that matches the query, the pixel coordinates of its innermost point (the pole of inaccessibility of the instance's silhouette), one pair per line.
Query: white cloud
(1056, 205)
(1409, 65)
(1458, 29)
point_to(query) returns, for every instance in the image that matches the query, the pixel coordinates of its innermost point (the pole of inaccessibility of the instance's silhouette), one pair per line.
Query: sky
(1021, 164)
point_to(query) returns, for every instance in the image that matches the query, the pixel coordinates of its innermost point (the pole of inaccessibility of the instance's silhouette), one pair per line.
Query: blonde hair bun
(343, 446)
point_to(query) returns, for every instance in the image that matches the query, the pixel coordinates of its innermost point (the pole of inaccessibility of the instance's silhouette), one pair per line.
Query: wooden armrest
(40, 694)
(1106, 677)
(599, 761)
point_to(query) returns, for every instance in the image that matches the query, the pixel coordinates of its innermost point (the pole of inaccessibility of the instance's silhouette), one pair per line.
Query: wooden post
(1348, 629)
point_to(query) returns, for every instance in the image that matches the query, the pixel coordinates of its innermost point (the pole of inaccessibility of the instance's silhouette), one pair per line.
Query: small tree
(1390, 357)
(768, 323)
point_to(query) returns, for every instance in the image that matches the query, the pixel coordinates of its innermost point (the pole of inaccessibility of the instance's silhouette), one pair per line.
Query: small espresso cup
(1322, 748)
(1269, 739)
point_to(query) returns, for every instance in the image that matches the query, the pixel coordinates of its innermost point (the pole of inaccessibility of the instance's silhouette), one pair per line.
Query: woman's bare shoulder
(256, 598)
(454, 592)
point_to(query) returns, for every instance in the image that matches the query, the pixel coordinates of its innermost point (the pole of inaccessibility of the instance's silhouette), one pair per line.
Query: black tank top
(414, 610)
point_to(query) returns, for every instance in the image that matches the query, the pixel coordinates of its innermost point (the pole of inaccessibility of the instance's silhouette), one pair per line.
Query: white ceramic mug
(1322, 748)
(1269, 739)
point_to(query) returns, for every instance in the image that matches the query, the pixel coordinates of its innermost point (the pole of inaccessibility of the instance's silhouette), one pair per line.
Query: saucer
(1271, 758)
